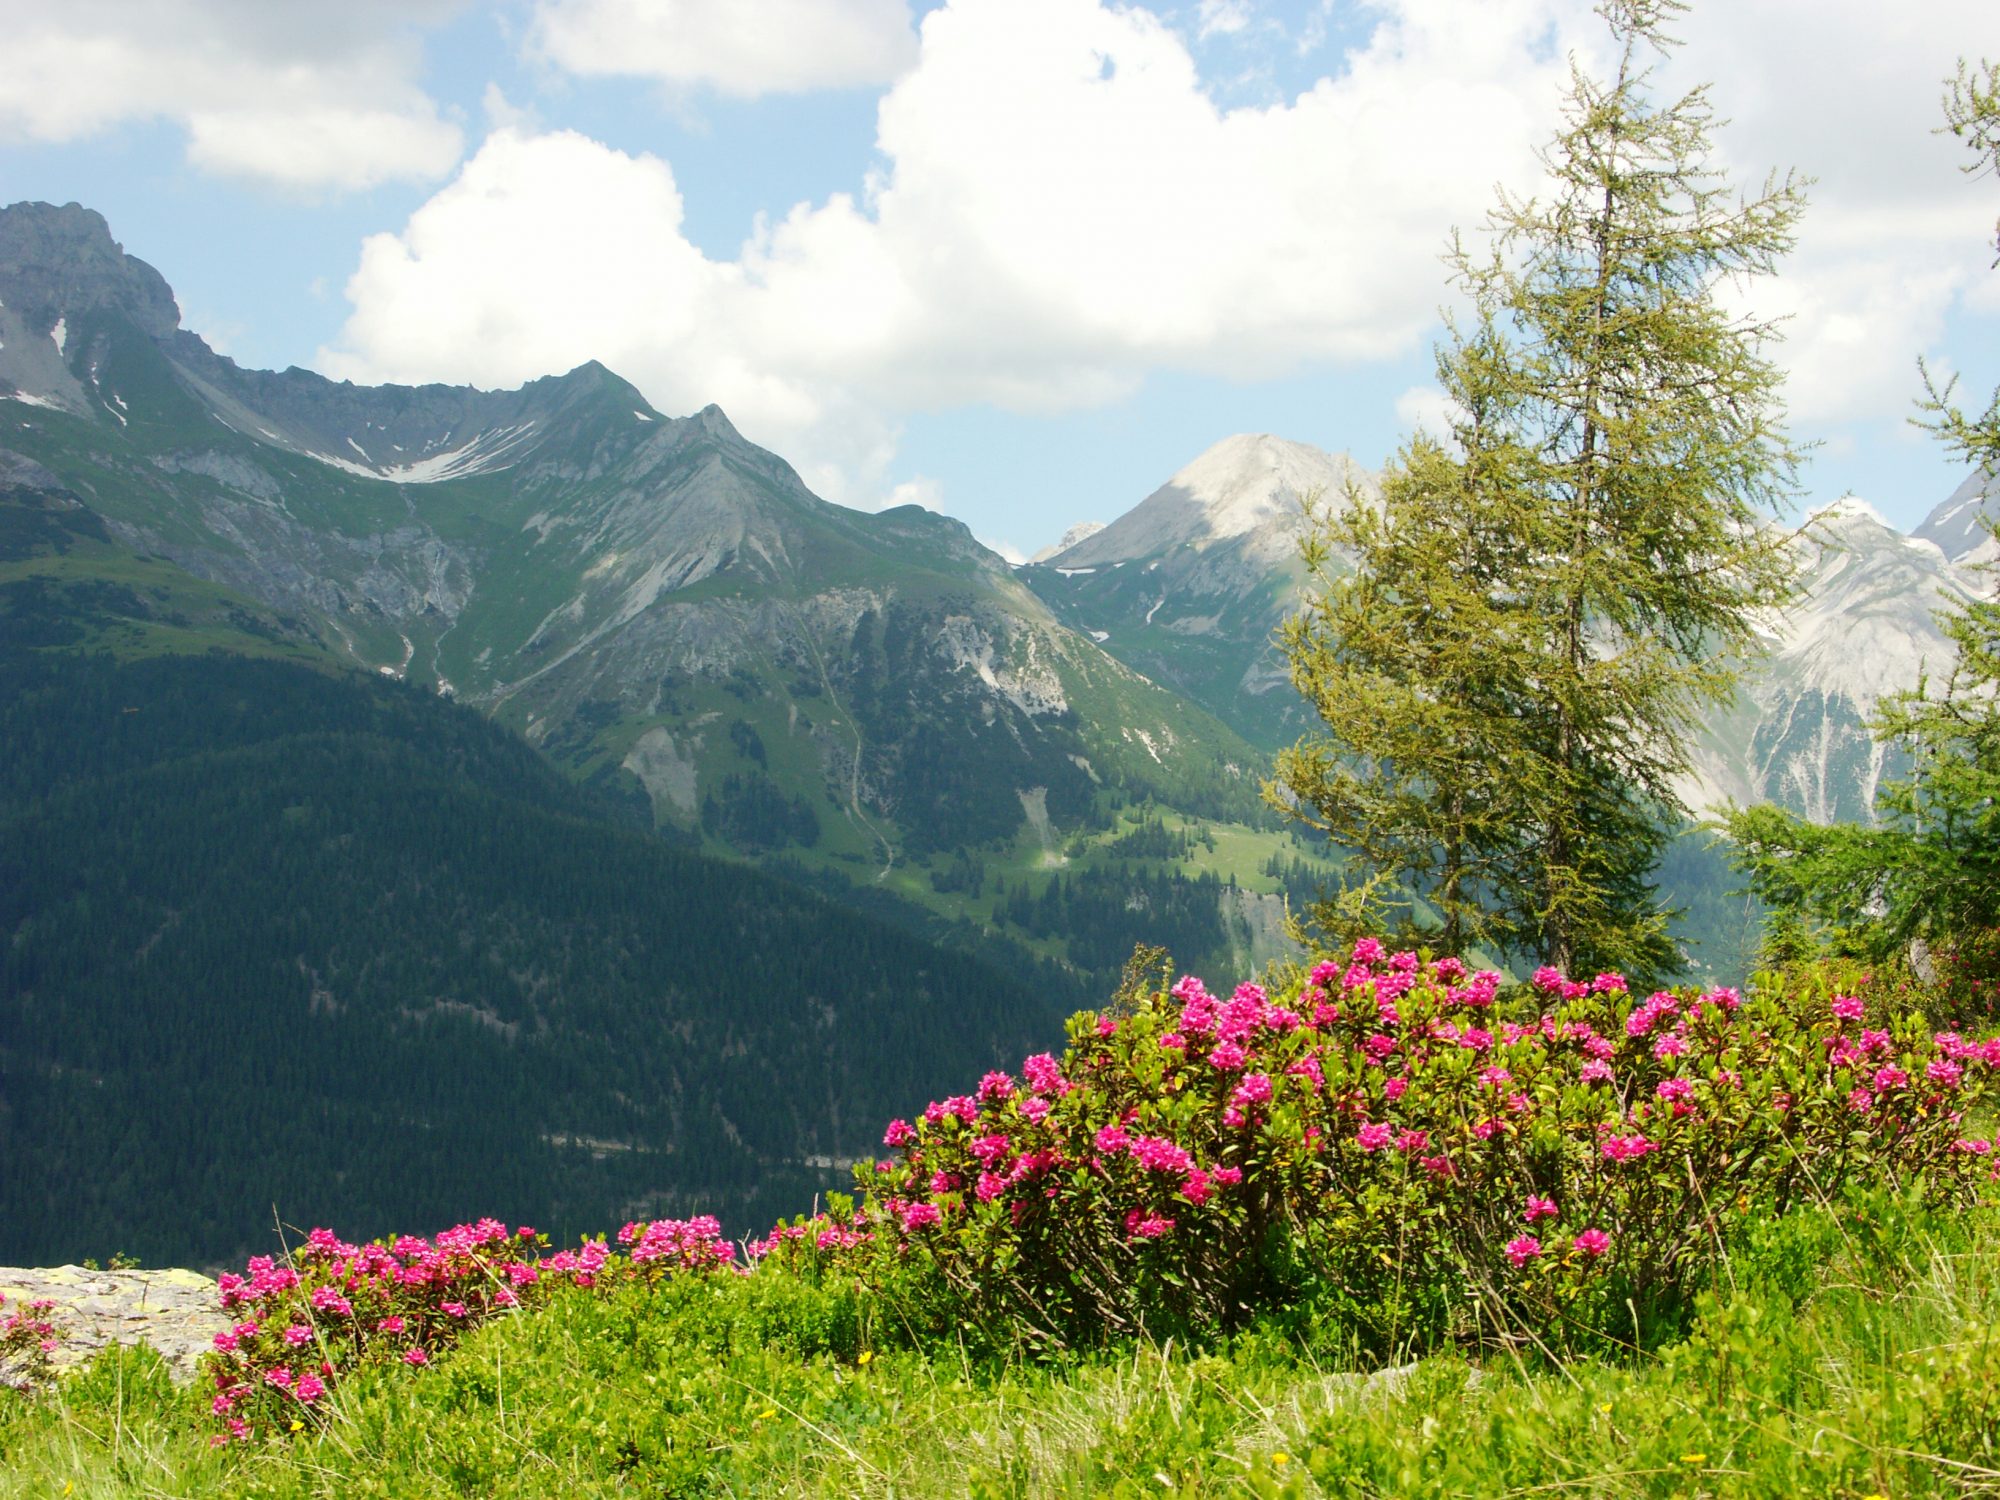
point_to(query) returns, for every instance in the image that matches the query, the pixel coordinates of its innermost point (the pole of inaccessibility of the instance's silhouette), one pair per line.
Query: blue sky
(1018, 259)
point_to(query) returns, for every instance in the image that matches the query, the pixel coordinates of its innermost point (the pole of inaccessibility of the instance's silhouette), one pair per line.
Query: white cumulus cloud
(735, 46)
(1061, 208)
(304, 94)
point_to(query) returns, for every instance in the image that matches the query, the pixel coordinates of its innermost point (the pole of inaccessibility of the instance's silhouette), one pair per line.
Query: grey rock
(177, 1313)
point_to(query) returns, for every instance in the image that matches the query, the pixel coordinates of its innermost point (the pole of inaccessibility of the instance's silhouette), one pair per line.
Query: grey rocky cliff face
(63, 260)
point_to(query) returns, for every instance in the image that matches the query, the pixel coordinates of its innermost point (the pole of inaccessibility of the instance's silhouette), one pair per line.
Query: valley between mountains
(441, 778)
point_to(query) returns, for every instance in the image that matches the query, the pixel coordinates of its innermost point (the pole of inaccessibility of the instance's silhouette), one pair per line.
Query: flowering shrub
(335, 1306)
(28, 1341)
(1393, 1138)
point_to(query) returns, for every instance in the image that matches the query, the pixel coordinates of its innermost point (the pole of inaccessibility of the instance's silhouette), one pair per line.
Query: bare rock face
(176, 1312)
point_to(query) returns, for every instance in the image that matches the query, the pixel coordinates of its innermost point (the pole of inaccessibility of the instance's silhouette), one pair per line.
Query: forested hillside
(279, 938)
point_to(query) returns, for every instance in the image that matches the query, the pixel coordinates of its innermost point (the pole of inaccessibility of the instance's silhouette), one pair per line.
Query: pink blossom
(1308, 1068)
(989, 1187)
(1522, 1249)
(1675, 1088)
(1547, 977)
(1395, 1088)
(1043, 1072)
(1196, 1188)
(1413, 1140)
(899, 1133)
(1111, 1140)
(1227, 1176)
(1035, 1110)
(1367, 951)
(1106, 1027)
(1848, 1008)
(1627, 1147)
(390, 1324)
(298, 1334)
(1594, 1071)
(1890, 1078)
(1593, 1242)
(1609, 984)
(1158, 1154)
(994, 1087)
(1226, 1056)
(1947, 1073)
(920, 1216)
(1373, 1136)
(1173, 1041)
(1141, 1225)
(1485, 1130)
(1495, 1076)
(990, 1148)
(1254, 1089)
(1539, 1208)
(416, 1356)
(1673, 1044)
(1439, 1166)
(309, 1389)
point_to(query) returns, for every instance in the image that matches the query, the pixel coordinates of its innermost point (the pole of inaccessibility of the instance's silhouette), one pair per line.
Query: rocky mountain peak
(58, 263)
(1245, 485)
(1955, 525)
(1080, 532)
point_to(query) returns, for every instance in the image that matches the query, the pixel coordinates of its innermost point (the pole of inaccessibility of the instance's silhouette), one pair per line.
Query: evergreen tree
(1930, 873)
(1538, 618)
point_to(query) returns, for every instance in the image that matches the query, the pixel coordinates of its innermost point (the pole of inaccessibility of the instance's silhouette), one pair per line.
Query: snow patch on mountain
(494, 449)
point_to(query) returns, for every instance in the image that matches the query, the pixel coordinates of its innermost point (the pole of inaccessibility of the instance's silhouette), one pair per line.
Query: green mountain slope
(661, 606)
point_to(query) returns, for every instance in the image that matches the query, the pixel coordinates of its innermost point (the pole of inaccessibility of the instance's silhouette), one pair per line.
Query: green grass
(1851, 1354)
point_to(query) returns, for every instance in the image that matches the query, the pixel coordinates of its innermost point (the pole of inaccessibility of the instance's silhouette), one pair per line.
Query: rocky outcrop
(177, 1313)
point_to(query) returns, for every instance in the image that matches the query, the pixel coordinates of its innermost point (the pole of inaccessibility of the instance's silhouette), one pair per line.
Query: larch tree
(1544, 608)
(1926, 879)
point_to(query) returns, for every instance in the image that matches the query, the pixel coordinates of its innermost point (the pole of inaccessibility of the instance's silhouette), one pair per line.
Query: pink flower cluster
(335, 1305)
(29, 1337)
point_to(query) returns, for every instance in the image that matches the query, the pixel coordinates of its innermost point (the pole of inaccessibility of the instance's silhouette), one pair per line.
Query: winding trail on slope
(854, 813)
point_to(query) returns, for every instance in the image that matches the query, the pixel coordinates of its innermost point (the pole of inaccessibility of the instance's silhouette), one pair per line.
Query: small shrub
(335, 1307)
(1396, 1144)
(29, 1338)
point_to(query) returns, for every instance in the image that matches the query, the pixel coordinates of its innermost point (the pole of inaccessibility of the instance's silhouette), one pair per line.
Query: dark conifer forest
(280, 941)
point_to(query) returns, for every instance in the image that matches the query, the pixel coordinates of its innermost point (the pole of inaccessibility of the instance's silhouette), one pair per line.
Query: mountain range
(1002, 778)
(1189, 585)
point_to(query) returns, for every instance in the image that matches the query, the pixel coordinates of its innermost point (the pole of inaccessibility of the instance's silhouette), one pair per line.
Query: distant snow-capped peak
(1081, 531)
(1249, 483)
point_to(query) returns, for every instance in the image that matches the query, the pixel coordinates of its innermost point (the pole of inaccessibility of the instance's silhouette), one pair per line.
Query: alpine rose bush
(28, 1341)
(334, 1306)
(1396, 1143)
